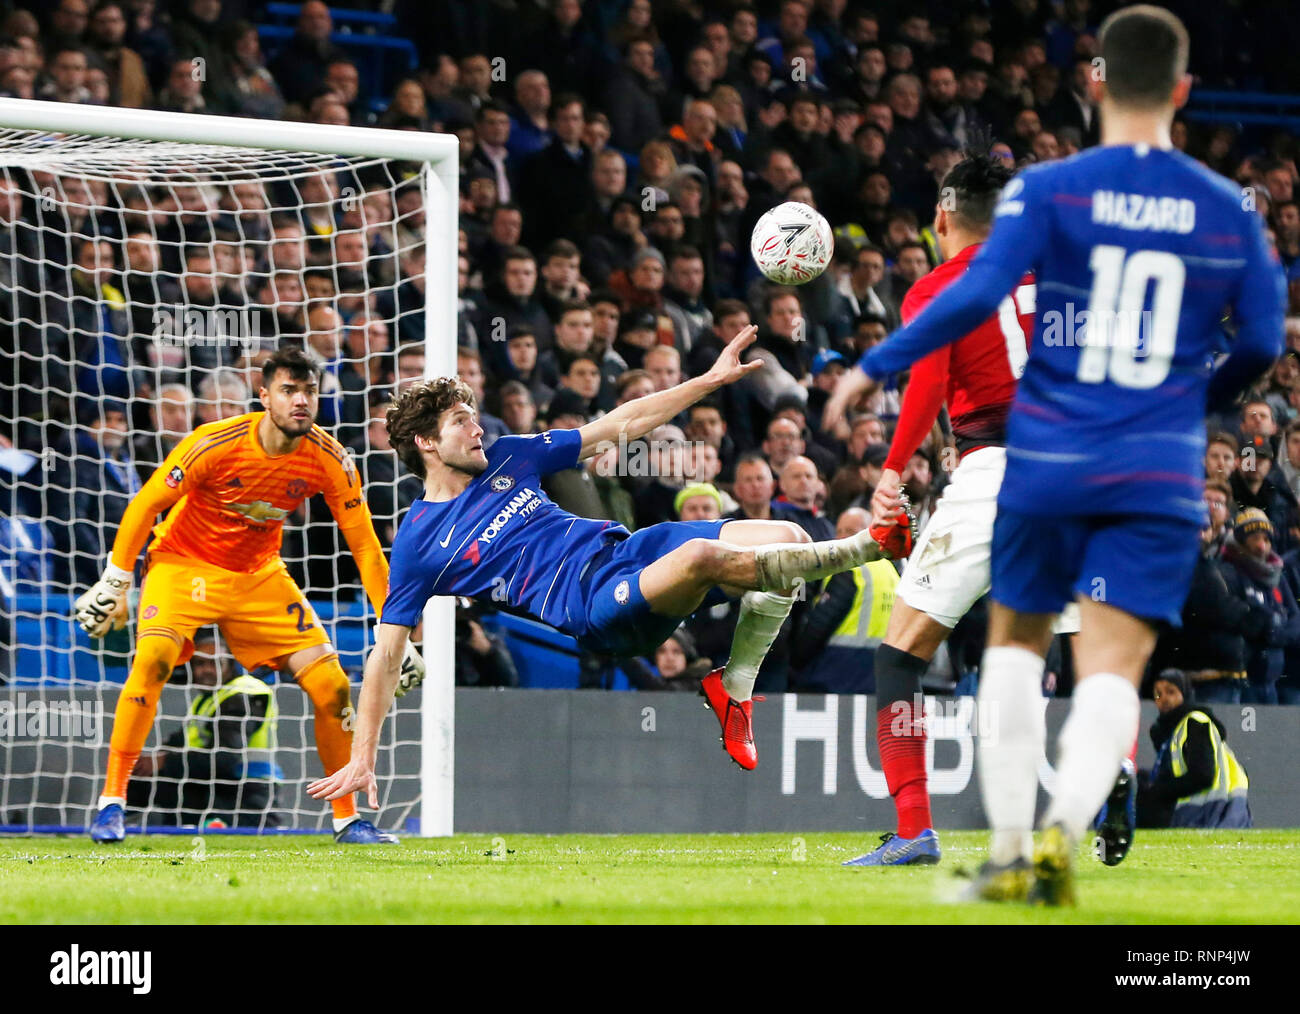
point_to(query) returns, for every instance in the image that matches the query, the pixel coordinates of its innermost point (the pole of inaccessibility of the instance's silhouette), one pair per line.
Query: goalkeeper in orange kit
(215, 558)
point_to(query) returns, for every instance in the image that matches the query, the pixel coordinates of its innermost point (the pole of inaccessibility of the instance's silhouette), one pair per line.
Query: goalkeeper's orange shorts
(263, 615)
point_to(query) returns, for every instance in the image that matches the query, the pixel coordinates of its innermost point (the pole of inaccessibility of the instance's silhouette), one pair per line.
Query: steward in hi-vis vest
(1197, 780)
(219, 767)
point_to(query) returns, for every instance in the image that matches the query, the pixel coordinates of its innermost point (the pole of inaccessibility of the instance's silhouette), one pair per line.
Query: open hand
(355, 775)
(728, 368)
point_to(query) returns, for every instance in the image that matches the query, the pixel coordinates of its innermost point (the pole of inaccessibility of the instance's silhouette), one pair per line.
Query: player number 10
(1134, 349)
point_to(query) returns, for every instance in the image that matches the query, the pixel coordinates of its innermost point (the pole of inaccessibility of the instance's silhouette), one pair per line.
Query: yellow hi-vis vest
(259, 753)
(1228, 790)
(865, 623)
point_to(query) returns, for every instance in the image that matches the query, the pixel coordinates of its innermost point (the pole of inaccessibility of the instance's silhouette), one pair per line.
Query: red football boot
(735, 718)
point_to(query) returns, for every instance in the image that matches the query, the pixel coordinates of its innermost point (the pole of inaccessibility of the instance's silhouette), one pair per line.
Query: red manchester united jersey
(976, 374)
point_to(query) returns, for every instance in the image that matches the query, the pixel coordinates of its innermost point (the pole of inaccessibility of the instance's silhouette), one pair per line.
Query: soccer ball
(792, 244)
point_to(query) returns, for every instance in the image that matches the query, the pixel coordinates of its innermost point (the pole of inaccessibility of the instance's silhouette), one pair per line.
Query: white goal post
(90, 131)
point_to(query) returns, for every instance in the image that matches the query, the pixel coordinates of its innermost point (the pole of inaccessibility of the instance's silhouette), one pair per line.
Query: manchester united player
(215, 558)
(949, 567)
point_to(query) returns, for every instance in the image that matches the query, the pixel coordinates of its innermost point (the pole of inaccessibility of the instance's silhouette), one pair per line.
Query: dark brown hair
(417, 412)
(1144, 54)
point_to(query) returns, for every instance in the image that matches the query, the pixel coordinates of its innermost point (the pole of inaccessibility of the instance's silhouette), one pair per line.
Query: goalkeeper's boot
(362, 832)
(1118, 818)
(1053, 868)
(735, 717)
(1001, 882)
(923, 850)
(108, 825)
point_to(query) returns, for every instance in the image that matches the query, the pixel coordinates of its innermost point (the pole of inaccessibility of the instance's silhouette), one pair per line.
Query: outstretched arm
(637, 418)
(378, 687)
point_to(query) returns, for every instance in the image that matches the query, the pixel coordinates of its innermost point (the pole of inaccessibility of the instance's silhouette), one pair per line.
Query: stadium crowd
(615, 156)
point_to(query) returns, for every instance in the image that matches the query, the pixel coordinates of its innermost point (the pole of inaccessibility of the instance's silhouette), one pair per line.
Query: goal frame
(441, 153)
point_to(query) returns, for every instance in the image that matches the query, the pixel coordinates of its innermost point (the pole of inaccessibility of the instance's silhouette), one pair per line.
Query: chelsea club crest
(622, 592)
(502, 483)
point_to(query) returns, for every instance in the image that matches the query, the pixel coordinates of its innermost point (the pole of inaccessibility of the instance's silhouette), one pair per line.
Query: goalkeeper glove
(412, 670)
(103, 606)
(897, 536)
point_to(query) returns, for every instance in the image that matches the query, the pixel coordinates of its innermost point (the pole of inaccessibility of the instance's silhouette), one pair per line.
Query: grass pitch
(1183, 876)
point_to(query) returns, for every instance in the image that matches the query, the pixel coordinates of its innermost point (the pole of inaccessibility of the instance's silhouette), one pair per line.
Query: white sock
(341, 822)
(1011, 710)
(761, 616)
(110, 800)
(779, 564)
(1093, 743)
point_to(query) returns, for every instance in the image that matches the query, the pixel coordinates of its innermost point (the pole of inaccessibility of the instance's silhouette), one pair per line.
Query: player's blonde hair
(417, 412)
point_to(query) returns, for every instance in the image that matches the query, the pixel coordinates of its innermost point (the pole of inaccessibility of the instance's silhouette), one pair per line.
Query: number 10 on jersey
(1124, 342)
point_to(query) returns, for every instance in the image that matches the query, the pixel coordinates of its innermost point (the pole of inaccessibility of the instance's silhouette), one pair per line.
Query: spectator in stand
(793, 406)
(492, 134)
(827, 368)
(254, 90)
(633, 95)
(1287, 469)
(1258, 424)
(505, 226)
(530, 127)
(1218, 624)
(518, 407)
(785, 334)
(300, 66)
(611, 250)
(555, 183)
(608, 182)
(677, 666)
(641, 286)
(684, 297)
(222, 395)
(692, 139)
(67, 77)
(183, 92)
(800, 485)
(863, 289)
(1256, 576)
(798, 133)
(171, 416)
(128, 82)
(482, 659)
(562, 283)
(1221, 456)
(469, 367)
(1254, 484)
(698, 501)
(521, 348)
(105, 480)
(409, 107)
(200, 35)
(512, 302)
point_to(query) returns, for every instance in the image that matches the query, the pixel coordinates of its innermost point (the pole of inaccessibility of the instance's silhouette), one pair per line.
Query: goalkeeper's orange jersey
(229, 499)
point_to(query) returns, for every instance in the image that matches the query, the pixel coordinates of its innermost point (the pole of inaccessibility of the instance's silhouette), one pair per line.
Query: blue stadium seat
(382, 60)
(25, 562)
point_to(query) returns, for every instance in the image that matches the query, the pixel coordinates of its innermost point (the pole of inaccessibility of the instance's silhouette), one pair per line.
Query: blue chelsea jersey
(1138, 253)
(502, 539)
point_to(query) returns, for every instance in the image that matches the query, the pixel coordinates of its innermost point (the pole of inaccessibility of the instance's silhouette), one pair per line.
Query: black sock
(898, 676)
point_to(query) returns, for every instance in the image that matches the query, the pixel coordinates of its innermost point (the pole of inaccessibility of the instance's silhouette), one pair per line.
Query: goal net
(144, 278)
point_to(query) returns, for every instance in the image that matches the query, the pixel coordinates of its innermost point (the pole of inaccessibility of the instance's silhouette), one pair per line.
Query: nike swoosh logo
(445, 541)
